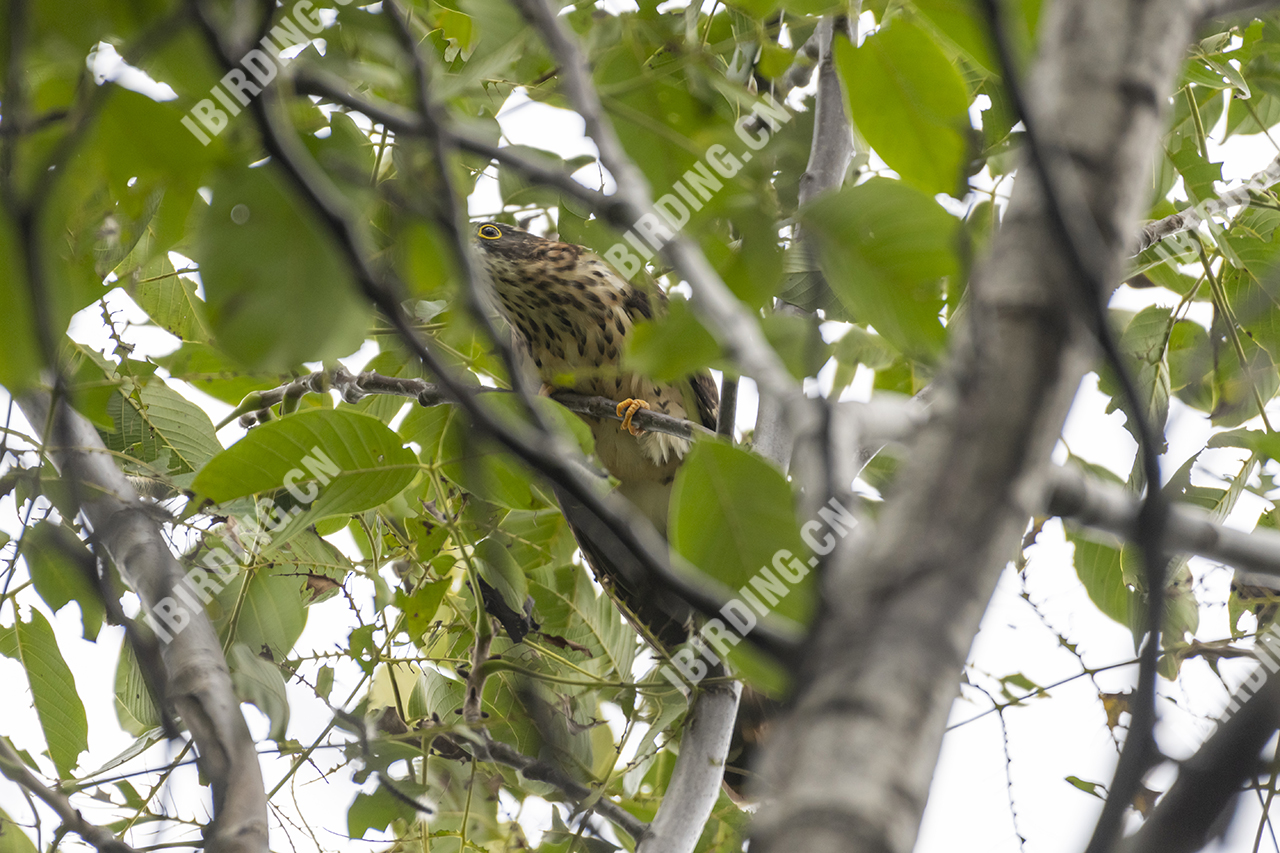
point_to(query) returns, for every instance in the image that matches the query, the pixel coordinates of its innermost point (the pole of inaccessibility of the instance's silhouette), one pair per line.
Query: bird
(571, 314)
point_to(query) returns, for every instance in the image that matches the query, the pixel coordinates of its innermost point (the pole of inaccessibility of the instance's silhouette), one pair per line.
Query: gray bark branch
(12, 767)
(851, 766)
(1191, 530)
(196, 672)
(695, 782)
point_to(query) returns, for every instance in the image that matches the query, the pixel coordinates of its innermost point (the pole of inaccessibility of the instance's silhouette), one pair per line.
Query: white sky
(970, 805)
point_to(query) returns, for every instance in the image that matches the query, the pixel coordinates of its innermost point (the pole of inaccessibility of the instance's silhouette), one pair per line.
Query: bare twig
(355, 387)
(801, 70)
(728, 415)
(1186, 220)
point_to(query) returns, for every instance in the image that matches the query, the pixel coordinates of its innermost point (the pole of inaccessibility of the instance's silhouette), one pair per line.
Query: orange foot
(631, 406)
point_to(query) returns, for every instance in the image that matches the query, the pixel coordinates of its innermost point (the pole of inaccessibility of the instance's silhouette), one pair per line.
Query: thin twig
(355, 387)
(406, 123)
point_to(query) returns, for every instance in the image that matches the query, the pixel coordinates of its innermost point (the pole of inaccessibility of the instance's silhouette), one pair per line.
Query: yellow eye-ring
(490, 232)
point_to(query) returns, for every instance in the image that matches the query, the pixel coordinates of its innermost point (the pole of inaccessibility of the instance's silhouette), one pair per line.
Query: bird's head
(507, 241)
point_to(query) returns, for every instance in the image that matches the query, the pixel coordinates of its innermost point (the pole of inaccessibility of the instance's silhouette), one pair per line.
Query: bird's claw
(627, 409)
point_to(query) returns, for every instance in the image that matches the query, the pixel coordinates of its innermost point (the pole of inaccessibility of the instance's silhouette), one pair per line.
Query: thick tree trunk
(850, 767)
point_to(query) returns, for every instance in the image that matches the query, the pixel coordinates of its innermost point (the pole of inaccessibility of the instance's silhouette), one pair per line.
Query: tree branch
(1088, 250)
(1192, 530)
(1186, 220)
(199, 683)
(1190, 811)
(850, 766)
(543, 771)
(355, 387)
(699, 771)
(12, 766)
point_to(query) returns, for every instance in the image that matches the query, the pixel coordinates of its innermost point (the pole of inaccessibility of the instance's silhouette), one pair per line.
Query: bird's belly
(652, 456)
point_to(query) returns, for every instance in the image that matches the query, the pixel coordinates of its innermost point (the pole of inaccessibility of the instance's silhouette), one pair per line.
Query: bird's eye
(490, 232)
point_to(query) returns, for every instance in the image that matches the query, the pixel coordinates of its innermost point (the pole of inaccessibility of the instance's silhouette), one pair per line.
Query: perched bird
(571, 313)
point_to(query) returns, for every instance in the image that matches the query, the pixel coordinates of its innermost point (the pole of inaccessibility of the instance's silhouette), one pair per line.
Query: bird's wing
(702, 400)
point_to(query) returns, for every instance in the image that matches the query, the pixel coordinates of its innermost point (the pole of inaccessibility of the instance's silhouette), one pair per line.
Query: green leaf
(214, 373)
(135, 710)
(731, 511)
(374, 811)
(260, 683)
(570, 606)
(171, 302)
(58, 562)
(12, 838)
(798, 342)
(733, 517)
(671, 347)
(516, 189)
(1099, 568)
(324, 681)
(501, 572)
(265, 604)
(1145, 338)
(907, 99)
(1191, 364)
(1198, 174)
(858, 346)
(341, 462)
(1266, 445)
(162, 425)
(477, 464)
(886, 248)
(1088, 787)
(18, 327)
(53, 688)
(959, 22)
(420, 608)
(279, 292)
(1236, 386)
(486, 471)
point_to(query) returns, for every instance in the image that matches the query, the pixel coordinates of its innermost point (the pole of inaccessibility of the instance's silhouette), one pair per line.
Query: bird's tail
(661, 618)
